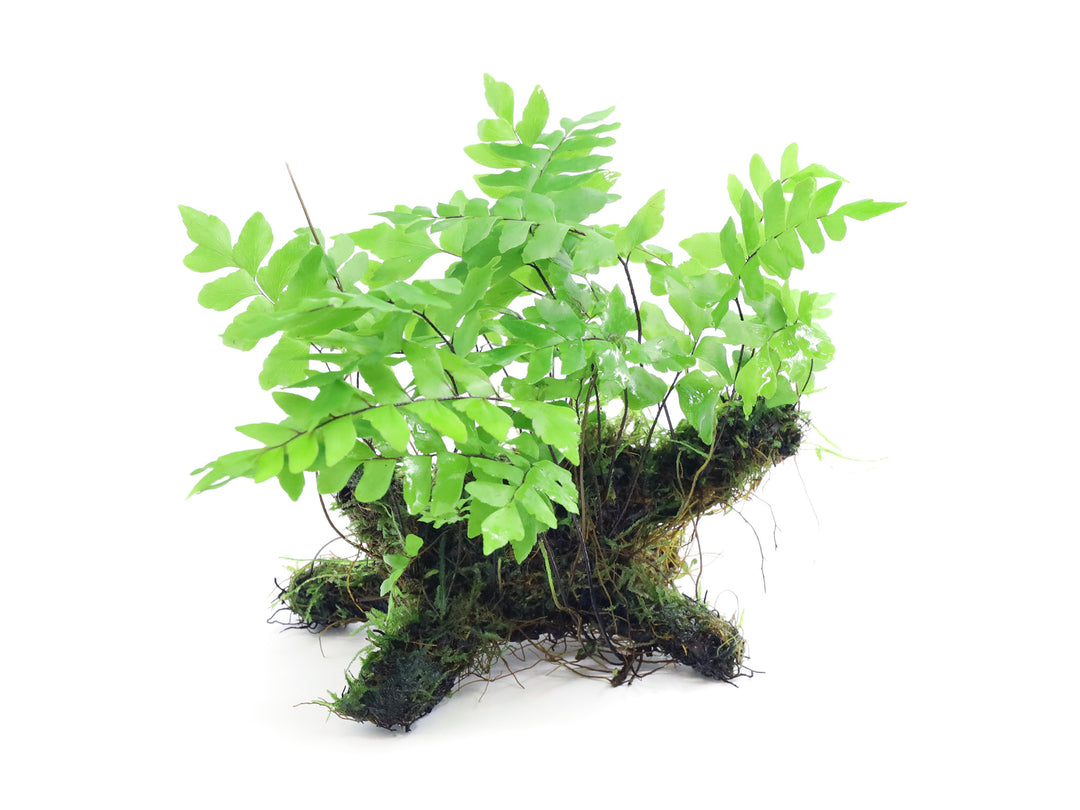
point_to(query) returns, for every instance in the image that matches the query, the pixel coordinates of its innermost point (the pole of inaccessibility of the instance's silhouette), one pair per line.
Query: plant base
(604, 578)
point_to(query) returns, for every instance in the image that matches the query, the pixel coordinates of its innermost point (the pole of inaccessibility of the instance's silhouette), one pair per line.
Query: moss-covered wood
(604, 578)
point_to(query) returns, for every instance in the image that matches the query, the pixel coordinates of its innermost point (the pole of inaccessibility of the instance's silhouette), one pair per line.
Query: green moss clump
(331, 592)
(604, 579)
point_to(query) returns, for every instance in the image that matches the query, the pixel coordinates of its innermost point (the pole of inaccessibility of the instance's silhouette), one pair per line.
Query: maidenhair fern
(487, 389)
(487, 371)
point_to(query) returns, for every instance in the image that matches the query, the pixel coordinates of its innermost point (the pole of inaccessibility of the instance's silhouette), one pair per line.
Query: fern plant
(520, 410)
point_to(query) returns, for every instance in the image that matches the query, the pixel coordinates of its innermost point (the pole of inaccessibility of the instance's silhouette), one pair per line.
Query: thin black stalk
(633, 295)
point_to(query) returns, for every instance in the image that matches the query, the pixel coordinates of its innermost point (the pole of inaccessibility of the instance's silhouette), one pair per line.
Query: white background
(918, 630)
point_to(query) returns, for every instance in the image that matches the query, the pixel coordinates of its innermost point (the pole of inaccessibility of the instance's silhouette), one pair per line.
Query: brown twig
(302, 206)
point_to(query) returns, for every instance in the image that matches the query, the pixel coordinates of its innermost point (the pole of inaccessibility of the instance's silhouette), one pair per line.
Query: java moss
(604, 579)
(332, 592)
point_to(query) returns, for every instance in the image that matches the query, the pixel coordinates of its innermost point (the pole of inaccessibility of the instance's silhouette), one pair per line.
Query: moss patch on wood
(603, 579)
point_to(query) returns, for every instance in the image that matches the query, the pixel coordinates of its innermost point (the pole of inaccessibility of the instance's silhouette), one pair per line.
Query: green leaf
(750, 216)
(618, 318)
(402, 251)
(250, 326)
(539, 366)
(429, 378)
(866, 209)
(298, 407)
(375, 480)
(556, 482)
(655, 325)
(571, 357)
(339, 437)
(695, 318)
(228, 291)
(396, 564)
(211, 234)
(750, 381)
(486, 155)
(591, 118)
(501, 527)
(537, 207)
(390, 424)
(495, 129)
(705, 248)
(389, 242)
(302, 452)
(308, 284)
(527, 155)
(418, 295)
(441, 418)
(759, 176)
(470, 378)
(834, 226)
(545, 242)
(813, 170)
(336, 396)
(416, 481)
(487, 415)
(283, 265)
(769, 309)
(413, 544)
(493, 494)
(775, 206)
(555, 425)
(594, 250)
(813, 342)
(292, 483)
(577, 204)
(576, 163)
(500, 98)
(509, 182)
(537, 505)
(485, 469)
(773, 259)
(713, 352)
(513, 233)
(713, 288)
(224, 469)
(286, 364)
(789, 162)
(533, 118)
(341, 250)
(254, 243)
(822, 199)
(735, 190)
(645, 389)
(698, 398)
(336, 477)
(527, 335)
(269, 433)
(509, 207)
(751, 278)
(734, 255)
(799, 209)
(792, 248)
(205, 260)
(524, 545)
(450, 469)
(811, 235)
(476, 231)
(559, 315)
(644, 225)
(269, 464)
(383, 383)
(740, 332)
